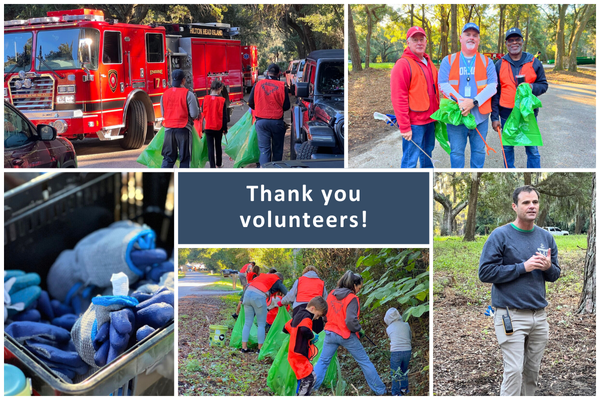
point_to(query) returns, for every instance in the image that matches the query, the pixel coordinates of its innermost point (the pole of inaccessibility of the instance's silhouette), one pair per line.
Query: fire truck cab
(250, 66)
(91, 77)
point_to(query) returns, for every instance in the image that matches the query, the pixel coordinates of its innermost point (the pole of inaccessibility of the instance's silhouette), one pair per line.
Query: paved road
(100, 154)
(194, 282)
(567, 121)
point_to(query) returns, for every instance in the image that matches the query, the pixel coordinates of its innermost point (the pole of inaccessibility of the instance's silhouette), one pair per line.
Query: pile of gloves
(78, 323)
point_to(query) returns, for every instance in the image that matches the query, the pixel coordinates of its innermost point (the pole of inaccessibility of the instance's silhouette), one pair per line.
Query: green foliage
(398, 283)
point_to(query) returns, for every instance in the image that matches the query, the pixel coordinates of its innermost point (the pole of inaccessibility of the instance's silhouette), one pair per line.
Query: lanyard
(468, 64)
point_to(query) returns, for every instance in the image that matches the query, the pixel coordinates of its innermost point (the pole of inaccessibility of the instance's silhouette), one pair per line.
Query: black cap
(178, 76)
(513, 32)
(273, 69)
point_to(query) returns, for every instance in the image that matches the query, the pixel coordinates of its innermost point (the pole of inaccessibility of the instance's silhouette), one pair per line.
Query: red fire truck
(250, 66)
(91, 77)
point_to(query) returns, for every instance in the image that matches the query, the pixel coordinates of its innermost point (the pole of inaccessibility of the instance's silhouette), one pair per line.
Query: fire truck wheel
(137, 126)
(306, 151)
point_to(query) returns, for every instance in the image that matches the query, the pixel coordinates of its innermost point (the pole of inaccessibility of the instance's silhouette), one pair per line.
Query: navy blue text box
(393, 208)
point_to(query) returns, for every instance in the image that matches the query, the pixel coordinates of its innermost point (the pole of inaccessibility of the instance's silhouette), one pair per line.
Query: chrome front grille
(39, 97)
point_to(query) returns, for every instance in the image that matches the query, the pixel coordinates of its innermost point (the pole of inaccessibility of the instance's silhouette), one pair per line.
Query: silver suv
(556, 231)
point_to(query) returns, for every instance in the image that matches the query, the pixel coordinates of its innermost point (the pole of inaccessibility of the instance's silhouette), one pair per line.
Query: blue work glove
(315, 339)
(60, 309)
(164, 295)
(32, 315)
(157, 271)
(44, 306)
(144, 332)
(113, 338)
(65, 321)
(157, 310)
(21, 291)
(91, 337)
(489, 312)
(52, 345)
(393, 121)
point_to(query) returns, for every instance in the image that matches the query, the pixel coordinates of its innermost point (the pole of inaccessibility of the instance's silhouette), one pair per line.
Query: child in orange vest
(302, 339)
(214, 111)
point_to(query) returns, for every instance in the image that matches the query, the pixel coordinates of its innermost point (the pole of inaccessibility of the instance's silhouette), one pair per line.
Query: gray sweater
(502, 264)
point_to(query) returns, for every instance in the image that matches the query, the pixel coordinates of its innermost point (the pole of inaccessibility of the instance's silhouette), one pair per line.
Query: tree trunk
(412, 15)
(541, 221)
(472, 212)
(453, 28)
(443, 32)
(574, 27)
(560, 37)
(527, 178)
(501, 28)
(586, 14)
(371, 21)
(527, 32)
(450, 213)
(587, 303)
(579, 224)
(353, 43)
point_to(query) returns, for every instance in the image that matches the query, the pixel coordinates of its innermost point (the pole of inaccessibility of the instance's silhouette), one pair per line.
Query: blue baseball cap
(177, 76)
(470, 25)
(513, 32)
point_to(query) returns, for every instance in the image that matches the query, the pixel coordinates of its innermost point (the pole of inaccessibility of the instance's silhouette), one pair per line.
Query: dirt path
(468, 362)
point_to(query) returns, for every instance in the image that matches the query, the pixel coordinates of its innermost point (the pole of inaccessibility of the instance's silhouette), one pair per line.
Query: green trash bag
(521, 128)
(276, 336)
(282, 380)
(441, 135)
(241, 143)
(236, 334)
(151, 157)
(449, 113)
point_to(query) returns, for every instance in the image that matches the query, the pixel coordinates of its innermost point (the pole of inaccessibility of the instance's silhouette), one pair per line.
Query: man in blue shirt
(470, 78)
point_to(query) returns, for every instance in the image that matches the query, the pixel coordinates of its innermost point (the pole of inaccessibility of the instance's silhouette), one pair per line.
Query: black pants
(318, 324)
(176, 138)
(213, 139)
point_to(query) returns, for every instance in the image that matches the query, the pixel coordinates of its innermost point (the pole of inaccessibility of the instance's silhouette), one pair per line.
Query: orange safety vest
(481, 63)
(174, 102)
(418, 94)
(309, 288)
(264, 282)
(508, 84)
(245, 268)
(212, 109)
(336, 314)
(250, 276)
(272, 313)
(269, 95)
(300, 363)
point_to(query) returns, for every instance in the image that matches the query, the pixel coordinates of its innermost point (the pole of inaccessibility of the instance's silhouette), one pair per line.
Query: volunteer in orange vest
(214, 110)
(517, 63)
(269, 99)
(307, 287)
(470, 78)
(179, 108)
(415, 97)
(343, 329)
(243, 275)
(302, 347)
(255, 303)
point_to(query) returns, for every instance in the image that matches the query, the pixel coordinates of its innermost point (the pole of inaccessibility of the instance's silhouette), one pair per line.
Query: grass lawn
(456, 263)
(224, 284)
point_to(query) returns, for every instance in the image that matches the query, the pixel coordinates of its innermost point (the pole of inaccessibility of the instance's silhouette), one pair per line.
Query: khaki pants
(522, 351)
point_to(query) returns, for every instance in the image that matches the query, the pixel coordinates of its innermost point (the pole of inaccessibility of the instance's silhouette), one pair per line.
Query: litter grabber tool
(487, 146)
(503, 154)
(391, 120)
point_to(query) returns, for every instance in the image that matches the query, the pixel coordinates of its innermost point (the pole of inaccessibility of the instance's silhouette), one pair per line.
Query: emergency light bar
(43, 20)
(15, 22)
(86, 17)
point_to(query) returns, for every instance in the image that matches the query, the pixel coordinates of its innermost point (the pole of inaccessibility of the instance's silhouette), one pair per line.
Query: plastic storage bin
(52, 213)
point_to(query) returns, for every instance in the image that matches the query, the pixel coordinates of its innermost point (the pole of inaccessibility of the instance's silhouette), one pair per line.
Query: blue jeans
(424, 137)
(533, 155)
(176, 138)
(254, 304)
(270, 134)
(458, 135)
(353, 345)
(399, 365)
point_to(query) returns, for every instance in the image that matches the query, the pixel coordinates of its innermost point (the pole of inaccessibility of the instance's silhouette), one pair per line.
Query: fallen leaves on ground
(583, 76)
